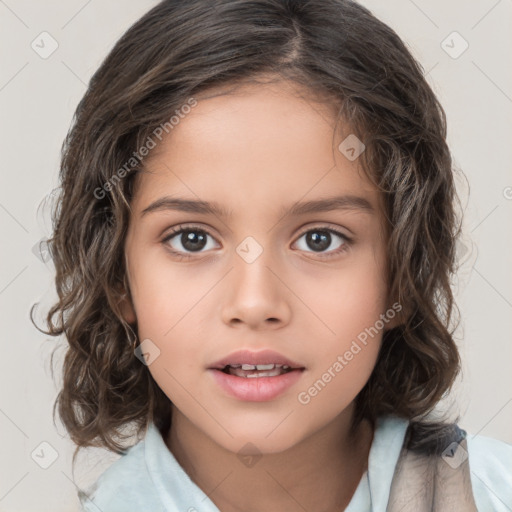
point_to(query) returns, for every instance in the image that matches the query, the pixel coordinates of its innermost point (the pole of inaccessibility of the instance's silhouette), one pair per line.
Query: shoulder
(490, 462)
(121, 486)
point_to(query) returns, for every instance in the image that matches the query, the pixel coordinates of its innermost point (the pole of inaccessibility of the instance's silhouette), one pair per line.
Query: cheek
(347, 352)
(166, 295)
(350, 304)
(178, 364)
(347, 301)
(167, 304)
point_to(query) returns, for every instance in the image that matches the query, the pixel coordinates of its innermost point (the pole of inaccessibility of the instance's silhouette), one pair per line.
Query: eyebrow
(347, 202)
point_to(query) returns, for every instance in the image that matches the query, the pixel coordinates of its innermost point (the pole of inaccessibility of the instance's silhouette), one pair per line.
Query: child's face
(306, 297)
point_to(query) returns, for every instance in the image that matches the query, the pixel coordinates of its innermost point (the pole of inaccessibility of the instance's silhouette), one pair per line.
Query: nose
(256, 295)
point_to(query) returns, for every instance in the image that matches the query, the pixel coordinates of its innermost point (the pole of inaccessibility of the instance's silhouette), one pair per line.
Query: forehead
(273, 143)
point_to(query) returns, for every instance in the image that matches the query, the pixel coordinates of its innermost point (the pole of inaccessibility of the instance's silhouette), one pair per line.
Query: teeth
(258, 370)
(272, 373)
(265, 366)
(258, 366)
(266, 373)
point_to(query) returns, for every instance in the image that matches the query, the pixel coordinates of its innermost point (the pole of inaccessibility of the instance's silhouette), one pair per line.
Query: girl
(253, 250)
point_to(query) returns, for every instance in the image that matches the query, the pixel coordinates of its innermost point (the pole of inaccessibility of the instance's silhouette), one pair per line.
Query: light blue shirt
(148, 478)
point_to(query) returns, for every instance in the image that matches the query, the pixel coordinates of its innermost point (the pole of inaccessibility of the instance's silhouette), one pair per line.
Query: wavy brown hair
(338, 51)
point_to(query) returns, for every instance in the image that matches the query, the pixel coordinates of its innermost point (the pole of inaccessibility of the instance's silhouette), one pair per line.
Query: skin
(256, 151)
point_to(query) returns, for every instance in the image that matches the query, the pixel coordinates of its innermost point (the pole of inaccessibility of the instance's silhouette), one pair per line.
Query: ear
(127, 309)
(125, 302)
(395, 314)
(392, 322)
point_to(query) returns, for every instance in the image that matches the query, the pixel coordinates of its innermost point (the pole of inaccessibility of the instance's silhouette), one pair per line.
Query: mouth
(249, 365)
(251, 371)
(256, 376)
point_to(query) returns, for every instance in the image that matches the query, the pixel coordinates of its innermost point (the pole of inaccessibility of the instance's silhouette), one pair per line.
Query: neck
(329, 463)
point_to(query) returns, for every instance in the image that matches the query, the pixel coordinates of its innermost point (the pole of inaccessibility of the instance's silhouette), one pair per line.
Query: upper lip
(254, 358)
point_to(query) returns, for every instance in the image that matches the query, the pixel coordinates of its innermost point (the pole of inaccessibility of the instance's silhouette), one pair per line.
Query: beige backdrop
(37, 99)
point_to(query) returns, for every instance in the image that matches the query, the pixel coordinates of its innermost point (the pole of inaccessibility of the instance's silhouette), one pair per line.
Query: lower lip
(256, 389)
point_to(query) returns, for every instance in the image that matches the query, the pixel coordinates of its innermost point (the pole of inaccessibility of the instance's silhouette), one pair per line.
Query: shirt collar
(175, 488)
(384, 453)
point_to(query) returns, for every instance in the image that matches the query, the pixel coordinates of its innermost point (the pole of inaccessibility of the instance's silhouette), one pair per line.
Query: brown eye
(193, 240)
(188, 240)
(318, 240)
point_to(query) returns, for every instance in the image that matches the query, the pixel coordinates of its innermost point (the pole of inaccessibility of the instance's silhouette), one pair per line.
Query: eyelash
(185, 256)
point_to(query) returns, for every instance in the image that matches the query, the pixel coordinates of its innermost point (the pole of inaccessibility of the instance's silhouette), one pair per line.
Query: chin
(253, 439)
